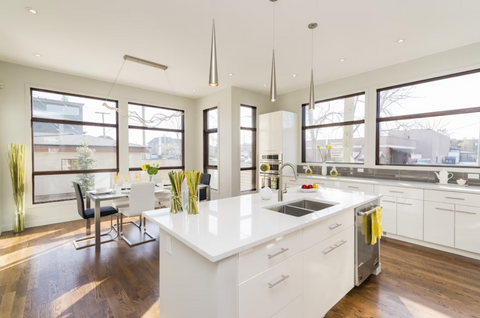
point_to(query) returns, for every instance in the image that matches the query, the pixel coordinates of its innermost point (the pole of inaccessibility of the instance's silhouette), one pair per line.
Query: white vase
(324, 169)
(266, 193)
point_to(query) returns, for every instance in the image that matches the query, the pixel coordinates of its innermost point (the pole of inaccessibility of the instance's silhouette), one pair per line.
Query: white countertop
(228, 226)
(395, 183)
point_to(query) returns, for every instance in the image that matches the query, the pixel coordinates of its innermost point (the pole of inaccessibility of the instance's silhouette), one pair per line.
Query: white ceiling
(90, 37)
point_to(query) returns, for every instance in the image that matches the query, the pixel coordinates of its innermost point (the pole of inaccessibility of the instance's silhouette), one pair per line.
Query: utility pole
(103, 119)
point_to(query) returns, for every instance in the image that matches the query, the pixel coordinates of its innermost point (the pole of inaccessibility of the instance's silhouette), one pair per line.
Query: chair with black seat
(205, 179)
(88, 214)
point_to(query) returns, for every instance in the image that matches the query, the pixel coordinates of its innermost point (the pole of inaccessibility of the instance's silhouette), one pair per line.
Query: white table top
(119, 195)
(232, 225)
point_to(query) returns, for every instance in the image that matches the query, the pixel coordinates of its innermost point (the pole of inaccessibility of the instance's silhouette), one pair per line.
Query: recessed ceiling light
(294, 75)
(31, 10)
(342, 60)
(37, 54)
(193, 90)
(265, 85)
(231, 74)
(400, 40)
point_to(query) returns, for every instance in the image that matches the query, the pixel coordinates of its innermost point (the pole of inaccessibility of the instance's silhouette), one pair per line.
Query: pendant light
(213, 76)
(273, 75)
(311, 101)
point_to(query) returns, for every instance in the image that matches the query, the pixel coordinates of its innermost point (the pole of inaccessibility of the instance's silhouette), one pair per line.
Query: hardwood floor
(42, 275)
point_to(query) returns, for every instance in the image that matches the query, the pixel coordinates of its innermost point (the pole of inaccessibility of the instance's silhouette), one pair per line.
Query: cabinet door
(293, 310)
(355, 186)
(410, 218)
(389, 214)
(439, 223)
(467, 228)
(328, 273)
(276, 133)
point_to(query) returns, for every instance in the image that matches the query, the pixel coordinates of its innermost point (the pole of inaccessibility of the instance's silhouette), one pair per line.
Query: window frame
(339, 124)
(206, 133)
(182, 131)
(68, 122)
(419, 116)
(254, 148)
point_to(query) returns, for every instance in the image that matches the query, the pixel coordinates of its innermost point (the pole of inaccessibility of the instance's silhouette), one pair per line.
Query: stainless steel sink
(300, 208)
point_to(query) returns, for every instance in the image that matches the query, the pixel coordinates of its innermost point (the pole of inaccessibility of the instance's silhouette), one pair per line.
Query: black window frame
(182, 131)
(338, 124)
(418, 116)
(206, 133)
(254, 148)
(68, 122)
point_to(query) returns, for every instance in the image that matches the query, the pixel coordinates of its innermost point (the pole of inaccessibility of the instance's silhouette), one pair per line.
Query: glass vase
(188, 199)
(150, 177)
(19, 221)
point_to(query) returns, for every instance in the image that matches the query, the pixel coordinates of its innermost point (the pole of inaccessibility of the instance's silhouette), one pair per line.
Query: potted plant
(151, 169)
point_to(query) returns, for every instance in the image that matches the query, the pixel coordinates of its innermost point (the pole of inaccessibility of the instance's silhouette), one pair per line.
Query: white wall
(457, 60)
(15, 128)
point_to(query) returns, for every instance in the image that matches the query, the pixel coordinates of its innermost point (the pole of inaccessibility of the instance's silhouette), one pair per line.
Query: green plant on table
(16, 163)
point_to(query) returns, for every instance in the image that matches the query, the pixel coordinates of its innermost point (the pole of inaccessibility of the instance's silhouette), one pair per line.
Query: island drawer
(264, 256)
(452, 197)
(266, 294)
(399, 192)
(318, 232)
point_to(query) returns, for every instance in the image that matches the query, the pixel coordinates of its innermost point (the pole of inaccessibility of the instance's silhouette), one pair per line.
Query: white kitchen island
(237, 258)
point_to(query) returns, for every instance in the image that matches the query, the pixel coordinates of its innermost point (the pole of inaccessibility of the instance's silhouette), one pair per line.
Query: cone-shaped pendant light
(213, 77)
(273, 75)
(311, 100)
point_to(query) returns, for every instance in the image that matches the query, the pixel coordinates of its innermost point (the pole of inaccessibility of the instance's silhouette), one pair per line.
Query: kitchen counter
(396, 183)
(229, 226)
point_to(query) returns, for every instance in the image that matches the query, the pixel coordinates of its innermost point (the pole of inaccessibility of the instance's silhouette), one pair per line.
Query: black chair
(205, 179)
(88, 214)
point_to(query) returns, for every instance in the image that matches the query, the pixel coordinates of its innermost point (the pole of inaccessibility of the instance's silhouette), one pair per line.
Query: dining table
(92, 196)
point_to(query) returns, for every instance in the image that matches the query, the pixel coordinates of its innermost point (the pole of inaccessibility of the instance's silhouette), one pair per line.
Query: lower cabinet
(328, 273)
(410, 218)
(292, 310)
(389, 214)
(439, 220)
(467, 228)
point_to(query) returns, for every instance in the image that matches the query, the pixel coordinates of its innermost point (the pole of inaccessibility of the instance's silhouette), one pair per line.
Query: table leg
(97, 226)
(208, 193)
(89, 231)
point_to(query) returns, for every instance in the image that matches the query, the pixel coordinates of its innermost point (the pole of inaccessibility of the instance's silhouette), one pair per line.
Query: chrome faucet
(281, 191)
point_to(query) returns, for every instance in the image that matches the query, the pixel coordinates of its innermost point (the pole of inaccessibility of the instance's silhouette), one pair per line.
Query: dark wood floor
(42, 275)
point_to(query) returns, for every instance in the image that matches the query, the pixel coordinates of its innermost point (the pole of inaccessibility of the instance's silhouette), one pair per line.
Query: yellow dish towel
(377, 228)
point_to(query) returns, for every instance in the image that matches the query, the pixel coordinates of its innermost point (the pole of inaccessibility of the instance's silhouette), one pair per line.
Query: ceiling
(89, 38)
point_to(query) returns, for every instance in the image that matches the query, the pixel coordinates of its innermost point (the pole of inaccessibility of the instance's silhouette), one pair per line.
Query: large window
(435, 122)
(163, 143)
(248, 146)
(210, 145)
(339, 122)
(74, 138)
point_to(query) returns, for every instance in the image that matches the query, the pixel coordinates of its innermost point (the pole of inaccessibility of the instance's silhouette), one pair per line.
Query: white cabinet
(439, 221)
(354, 186)
(399, 192)
(389, 214)
(327, 228)
(328, 273)
(292, 310)
(410, 218)
(278, 135)
(467, 228)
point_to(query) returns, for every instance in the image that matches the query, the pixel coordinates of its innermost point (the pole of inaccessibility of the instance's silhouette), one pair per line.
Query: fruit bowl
(308, 190)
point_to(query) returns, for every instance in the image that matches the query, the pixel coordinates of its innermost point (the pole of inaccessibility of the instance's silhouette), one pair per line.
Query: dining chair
(205, 179)
(141, 199)
(88, 215)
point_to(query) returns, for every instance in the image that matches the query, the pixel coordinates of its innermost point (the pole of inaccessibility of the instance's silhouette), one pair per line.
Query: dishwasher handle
(367, 212)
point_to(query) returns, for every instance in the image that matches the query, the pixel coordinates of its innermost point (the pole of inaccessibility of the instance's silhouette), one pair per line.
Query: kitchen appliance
(367, 256)
(271, 176)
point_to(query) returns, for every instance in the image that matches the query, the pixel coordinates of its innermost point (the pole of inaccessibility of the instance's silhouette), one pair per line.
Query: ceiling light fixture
(37, 54)
(231, 74)
(294, 75)
(311, 101)
(273, 75)
(213, 76)
(265, 85)
(400, 41)
(342, 60)
(31, 10)
(193, 90)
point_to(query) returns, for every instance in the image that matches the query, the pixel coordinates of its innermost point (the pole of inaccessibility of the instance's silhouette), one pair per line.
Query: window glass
(336, 111)
(167, 118)
(153, 146)
(212, 118)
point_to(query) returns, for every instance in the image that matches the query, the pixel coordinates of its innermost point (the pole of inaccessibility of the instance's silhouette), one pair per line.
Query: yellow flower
(144, 167)
(265, 167)
(328, 146)
(318, 147)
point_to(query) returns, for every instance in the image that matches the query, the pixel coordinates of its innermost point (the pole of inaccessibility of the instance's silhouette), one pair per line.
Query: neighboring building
(64, 109)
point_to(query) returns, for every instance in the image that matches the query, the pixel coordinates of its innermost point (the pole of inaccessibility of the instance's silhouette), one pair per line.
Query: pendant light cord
(115, 81)
(312, 50)
(273, 25)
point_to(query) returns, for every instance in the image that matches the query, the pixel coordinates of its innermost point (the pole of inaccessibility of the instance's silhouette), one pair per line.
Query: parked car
(424, 161)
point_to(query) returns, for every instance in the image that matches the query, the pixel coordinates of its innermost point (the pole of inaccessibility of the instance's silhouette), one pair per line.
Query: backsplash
(393, 174)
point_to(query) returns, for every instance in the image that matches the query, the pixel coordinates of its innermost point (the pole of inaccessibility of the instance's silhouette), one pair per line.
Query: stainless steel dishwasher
(367, 256)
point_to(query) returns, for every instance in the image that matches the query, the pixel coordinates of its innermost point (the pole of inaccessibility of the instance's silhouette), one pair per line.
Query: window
(248, 146)
(74, 138)
(339, 122)
(163, 144)
(435, 122)
(210, 145)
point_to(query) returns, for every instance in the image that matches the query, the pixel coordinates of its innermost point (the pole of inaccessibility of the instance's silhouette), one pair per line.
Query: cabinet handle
(328, 250)
(293, 180)
(465, 212)
(271, 285)
(396, 191)
(282, 250)
(389, 201)
(340, 243)
(352, 187)
(404, 203)
(452, 198)
(444, 209)
(334, 226)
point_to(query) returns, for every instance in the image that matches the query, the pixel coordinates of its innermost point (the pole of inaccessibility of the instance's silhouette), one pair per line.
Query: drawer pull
(466, 212)
(389, 201)
(293, 180)
(452, 198)
(328, 250)
(396, 191)
(334, 226)
(444, 209)
(271, 285)
(340, 243)
(282, 250)
(352, 187)
(404, 203)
